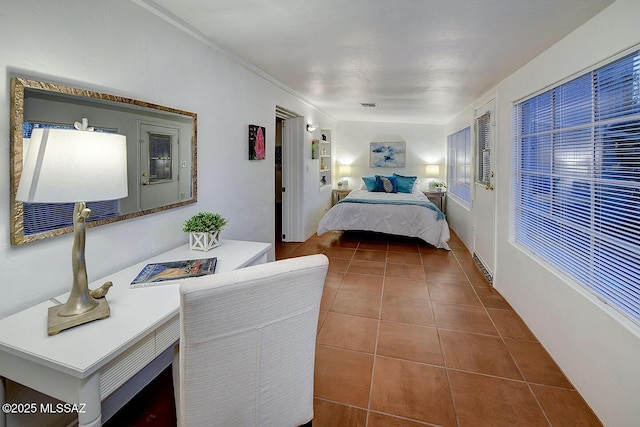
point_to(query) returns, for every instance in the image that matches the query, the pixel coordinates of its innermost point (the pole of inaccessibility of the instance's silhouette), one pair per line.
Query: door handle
(488, 186)
(145, 182)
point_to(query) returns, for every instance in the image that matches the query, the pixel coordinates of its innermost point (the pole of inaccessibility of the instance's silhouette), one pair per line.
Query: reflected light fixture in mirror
(36, 103)
(67, 165)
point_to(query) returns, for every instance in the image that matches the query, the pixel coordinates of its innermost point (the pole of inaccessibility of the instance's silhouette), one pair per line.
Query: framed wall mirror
(161, 154)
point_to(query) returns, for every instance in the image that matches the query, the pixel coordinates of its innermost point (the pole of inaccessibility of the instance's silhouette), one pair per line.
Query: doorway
(278, 180)
(484, 212)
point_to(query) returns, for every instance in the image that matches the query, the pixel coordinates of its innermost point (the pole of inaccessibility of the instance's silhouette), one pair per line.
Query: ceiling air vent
(369, 104)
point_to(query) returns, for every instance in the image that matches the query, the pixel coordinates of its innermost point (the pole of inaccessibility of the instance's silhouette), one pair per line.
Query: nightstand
(437, 198)
(339, 194)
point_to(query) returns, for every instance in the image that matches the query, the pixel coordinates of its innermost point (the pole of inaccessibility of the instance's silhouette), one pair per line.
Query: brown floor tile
(362, 283)
(349, 332)
(369, 255)
(321, 317)
(483, 401)
(338, 265)
(510, 325)
(333, 279)
(408, 271)
(536, 364)
(407, 310)
(343, 376)
(329, 414)
(463, 318)
(565, 408)
(397, 286)
(338, 252)
(383, 420)
(373, 245)
(435, 261)
(408, 246)
(404, 258)
(477, 353)
(328, 294)
(409, 342)
(412, 390)
(453, 294)
(366, 267)
(449, 275)
(357, 303)
(492, 298)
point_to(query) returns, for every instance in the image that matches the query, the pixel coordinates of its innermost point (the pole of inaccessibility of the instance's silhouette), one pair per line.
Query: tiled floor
(411, 336)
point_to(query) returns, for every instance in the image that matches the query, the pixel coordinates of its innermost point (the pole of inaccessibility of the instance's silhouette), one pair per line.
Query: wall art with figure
(257, 144)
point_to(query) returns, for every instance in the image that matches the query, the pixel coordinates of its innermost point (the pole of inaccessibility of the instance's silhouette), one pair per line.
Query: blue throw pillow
(386, 184)
(405, 183)
(370, 182)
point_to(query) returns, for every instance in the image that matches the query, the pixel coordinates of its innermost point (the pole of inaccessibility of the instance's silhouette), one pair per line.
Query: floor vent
(482, 268)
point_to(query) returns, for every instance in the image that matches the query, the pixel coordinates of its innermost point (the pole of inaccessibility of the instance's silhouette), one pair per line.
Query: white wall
(426, 144)
(118, 47)
(596, 347)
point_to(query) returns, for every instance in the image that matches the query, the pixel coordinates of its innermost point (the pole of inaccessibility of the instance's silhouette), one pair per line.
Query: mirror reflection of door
(159, 165)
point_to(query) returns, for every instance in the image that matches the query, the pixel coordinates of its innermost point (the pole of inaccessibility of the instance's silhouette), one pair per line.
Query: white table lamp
(67, 165)
(345, 171)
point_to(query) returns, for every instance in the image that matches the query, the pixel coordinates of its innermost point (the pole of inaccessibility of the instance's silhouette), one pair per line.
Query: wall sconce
(67, 165)
(311, 127)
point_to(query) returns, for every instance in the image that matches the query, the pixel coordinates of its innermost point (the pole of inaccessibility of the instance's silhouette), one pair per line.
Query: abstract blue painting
(387, 154)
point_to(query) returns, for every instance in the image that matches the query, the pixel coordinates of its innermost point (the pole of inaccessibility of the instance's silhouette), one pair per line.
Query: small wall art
(314, 148)
(387, 154)
(257, 144)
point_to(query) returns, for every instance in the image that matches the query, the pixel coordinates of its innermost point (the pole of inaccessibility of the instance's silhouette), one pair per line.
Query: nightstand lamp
(67, 165)
(345, 171)
(432, 172)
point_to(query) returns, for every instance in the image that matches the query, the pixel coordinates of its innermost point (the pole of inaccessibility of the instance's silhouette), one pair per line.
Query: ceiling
(420, 61)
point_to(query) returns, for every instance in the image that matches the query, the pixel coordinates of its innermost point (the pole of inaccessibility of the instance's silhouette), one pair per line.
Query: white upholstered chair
(247, 345)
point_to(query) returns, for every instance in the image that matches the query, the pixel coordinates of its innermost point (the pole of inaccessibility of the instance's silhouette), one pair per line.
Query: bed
(407, 213)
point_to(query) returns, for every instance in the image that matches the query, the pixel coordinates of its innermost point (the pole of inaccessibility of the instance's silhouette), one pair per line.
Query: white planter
(204, 241)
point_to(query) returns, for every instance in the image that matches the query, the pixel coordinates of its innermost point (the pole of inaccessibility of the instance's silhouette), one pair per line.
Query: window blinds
(459, 165)
(483, 154)
(577, 183)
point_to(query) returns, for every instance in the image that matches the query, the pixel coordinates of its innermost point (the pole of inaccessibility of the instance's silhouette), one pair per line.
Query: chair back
(247, 345)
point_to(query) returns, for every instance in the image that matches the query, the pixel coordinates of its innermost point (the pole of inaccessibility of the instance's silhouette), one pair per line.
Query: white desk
(89, 363)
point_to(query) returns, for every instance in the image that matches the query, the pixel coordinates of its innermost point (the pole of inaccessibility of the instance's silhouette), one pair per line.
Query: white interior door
(292, 179)
(484, 203)
(159, 162)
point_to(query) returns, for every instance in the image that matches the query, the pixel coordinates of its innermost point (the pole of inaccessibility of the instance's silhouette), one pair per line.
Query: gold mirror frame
(18, 87)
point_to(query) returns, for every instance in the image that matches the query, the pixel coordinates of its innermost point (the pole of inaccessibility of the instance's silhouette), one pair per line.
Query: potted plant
(439, 186)
(204, 230)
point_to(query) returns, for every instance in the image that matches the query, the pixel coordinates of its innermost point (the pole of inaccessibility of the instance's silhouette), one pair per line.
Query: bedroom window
(577, 180)
(459, 165)
(483, 139)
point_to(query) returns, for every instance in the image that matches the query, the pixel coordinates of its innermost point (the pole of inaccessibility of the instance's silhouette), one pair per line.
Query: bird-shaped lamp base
(83, 306)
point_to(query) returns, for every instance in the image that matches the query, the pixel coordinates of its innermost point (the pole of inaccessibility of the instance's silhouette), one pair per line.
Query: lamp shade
(65, 165)
(433, 171)
(344, 170)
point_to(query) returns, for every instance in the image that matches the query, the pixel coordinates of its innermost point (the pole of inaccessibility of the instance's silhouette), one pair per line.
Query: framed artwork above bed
(387, 154)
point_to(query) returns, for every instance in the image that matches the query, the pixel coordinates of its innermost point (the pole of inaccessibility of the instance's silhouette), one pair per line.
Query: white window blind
(577, 183)
(459, 165)
(483, 154)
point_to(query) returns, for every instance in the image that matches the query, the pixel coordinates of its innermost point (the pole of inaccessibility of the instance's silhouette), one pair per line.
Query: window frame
(576, 193)
(460, 187)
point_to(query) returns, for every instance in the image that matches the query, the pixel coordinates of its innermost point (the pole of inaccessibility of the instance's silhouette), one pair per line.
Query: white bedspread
(403, 220)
